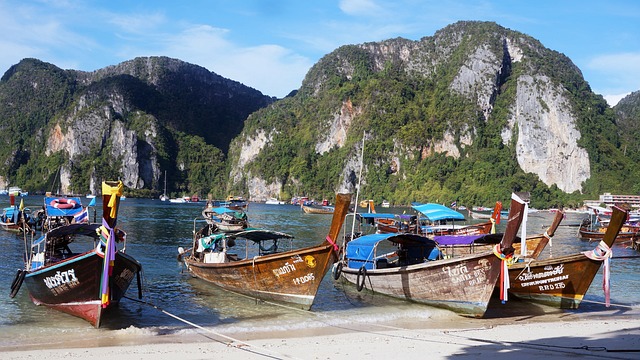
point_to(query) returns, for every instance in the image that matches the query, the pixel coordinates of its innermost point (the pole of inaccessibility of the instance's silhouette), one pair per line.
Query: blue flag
(92, 202)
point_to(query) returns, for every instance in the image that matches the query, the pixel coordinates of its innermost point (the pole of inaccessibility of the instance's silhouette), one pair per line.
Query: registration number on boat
(304, 279)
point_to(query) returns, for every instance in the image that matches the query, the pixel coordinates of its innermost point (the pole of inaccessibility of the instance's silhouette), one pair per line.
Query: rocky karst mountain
(69, 129)
(473, 112)
(469, 114)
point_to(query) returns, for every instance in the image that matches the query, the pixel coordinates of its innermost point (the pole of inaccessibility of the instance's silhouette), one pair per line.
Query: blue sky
(271, 44)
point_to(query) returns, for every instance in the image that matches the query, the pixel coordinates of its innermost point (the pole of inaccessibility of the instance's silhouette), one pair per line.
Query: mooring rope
(240, 343)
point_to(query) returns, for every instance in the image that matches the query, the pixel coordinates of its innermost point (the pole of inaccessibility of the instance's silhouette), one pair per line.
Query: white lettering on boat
(62, 281)
(547, 284)
(461, 273)
(458, 273)
(124, 278)
(285, 269)
(550, 279)
(304, 279)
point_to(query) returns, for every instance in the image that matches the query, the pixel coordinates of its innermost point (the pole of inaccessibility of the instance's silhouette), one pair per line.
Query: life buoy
(362, 274)
(17, 282)
(63, 203)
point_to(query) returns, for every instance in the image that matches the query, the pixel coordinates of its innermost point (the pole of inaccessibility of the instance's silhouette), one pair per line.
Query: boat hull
(317, 209)
(558, 282)
(463, 285)
(73, 285)
(291, 277)
(626, 235)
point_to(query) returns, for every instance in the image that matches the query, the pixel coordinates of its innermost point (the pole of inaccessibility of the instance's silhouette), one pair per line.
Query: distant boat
(16, 218)
(225, 219)
(385, 204)
(317, 209)
(16, 191)
(274, 201)
(237, 202)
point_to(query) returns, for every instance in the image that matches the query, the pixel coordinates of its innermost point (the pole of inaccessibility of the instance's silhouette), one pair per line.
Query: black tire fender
(362, 274)
(337, 271)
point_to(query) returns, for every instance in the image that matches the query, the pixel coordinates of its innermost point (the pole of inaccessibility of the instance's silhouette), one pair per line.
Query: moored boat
(411, 267)
(442, 220)
(225, 219)
(291, 277)
(317, 209)
(16, 218)
(562, 281)
(82, 283)
(274, 201)
(457, 245)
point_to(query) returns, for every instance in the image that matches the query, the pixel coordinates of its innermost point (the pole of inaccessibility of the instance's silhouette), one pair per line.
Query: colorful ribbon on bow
(504, 272)
(603, 252)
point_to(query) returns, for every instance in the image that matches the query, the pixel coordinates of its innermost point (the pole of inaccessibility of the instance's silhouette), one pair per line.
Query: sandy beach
(606, 334)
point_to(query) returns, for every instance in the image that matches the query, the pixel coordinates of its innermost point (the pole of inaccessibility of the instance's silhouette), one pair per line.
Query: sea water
(175, 303)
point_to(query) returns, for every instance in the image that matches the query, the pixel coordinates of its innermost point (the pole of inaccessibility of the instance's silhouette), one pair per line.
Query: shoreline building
(609, 200)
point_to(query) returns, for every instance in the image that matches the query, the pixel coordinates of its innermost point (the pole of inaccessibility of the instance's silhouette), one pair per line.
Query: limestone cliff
(467, 82)
(131, 121)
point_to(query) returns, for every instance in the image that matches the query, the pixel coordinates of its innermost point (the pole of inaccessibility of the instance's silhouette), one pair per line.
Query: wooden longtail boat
(225, 219)
(291, 277)
(627, 234)
(562, 281)
(317, 209)
(394, 223)
(16, 218)
(415, 271)
(440, 215)
(458, 245)
(83, 284)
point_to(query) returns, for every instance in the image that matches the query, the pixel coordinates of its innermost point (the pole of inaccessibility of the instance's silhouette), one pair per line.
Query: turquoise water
(155, 231)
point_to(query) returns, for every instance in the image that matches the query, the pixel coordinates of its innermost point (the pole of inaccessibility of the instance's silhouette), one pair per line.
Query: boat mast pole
(355, 207)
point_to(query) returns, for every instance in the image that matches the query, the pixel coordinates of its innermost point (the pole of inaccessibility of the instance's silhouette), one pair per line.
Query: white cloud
(612, 100)
(271, 69)
(616, 63)
(620, 74)
(360, 7)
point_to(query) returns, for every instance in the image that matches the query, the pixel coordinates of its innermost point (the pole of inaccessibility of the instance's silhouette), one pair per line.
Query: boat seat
(382, 263)
(232, 257)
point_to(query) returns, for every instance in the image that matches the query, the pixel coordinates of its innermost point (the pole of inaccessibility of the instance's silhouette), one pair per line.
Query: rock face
(126, 121)
(94, 124)
(540, 117)
(547, 134)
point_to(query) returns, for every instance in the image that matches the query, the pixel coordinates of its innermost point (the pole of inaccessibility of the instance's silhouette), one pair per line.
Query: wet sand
(529, 333)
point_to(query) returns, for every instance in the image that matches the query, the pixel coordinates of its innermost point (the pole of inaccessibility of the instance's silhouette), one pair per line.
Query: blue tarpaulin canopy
(363, 247)
(222, 210)
(412, 249)
(437, 212)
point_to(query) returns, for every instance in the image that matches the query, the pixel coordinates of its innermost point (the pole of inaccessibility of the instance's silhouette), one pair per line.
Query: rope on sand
(241, 345)
(449, 332)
